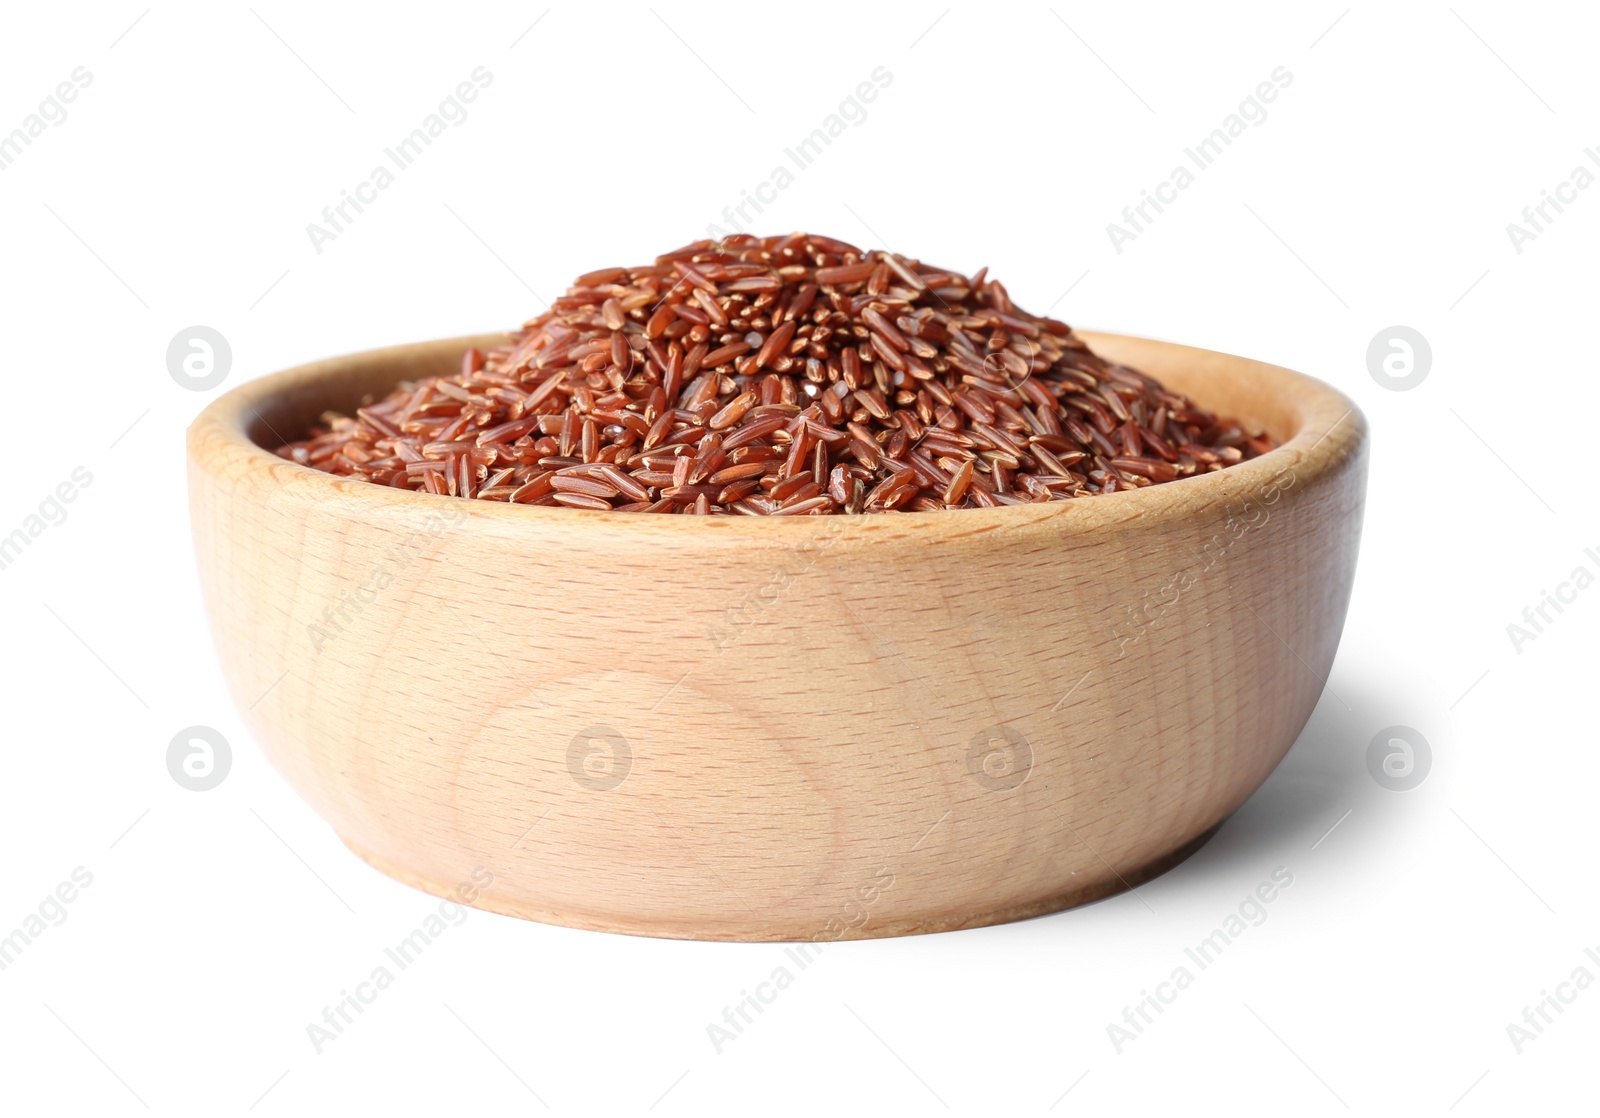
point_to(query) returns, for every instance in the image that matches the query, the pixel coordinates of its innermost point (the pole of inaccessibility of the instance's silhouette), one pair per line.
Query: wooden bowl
(746, 728)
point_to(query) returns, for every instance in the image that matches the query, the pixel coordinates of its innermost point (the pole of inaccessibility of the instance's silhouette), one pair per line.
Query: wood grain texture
(770, 728)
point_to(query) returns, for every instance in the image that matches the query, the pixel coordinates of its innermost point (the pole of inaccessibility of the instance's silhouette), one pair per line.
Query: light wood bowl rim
(1330, 429)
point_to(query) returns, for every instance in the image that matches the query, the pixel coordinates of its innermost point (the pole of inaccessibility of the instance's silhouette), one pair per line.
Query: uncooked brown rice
(794, 375)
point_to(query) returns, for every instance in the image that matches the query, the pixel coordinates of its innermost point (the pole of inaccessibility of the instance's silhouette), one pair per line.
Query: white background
(1377, 192)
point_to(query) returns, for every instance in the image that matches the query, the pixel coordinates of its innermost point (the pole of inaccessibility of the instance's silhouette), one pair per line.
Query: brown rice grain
(791, 375)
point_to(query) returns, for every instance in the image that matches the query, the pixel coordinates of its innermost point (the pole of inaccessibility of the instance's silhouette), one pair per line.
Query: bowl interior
(347, 383)
(1227, 386)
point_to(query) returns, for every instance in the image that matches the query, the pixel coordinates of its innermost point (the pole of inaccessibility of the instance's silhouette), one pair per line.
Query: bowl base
(524, 910)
